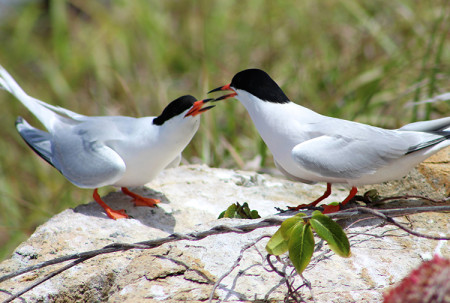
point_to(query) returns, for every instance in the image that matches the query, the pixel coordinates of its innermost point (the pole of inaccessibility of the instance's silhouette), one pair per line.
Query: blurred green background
(367, 61)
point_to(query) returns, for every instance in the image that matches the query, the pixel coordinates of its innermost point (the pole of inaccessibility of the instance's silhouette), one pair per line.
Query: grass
(358, 60)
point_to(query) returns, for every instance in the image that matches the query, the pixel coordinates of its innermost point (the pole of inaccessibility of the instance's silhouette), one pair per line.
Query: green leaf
(242, 211)
(230, 212)
(277, 245)
(331, 232)
(254, 214)
(286, 226)
(301, 246)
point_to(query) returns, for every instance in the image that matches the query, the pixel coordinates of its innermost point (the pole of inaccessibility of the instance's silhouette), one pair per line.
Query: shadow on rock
(155, 217)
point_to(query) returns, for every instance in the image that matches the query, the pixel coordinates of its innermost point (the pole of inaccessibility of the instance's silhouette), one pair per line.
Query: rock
(436, 170)
(192, 198)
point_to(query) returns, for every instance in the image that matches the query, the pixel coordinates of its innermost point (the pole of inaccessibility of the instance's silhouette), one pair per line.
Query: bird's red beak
(225, 87)
(197, 108)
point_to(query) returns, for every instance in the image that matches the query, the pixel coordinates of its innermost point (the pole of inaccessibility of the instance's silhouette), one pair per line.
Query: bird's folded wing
(87, 163)
(347, 157)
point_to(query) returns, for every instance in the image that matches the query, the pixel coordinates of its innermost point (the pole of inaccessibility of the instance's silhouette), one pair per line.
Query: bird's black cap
(175, 108)
(258, 83)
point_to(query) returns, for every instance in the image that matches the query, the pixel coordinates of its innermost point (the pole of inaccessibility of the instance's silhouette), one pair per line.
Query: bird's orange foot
(138, 200)
(331, 208)
(142, 201)
(116, 214)
(113, 214)
(325, 195)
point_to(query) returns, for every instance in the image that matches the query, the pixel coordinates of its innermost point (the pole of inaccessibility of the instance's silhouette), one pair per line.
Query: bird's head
(255, 82)
(182, 107)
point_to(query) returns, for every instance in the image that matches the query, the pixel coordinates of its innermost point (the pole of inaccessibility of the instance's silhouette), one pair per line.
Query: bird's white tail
(442, 124)
(43, 111)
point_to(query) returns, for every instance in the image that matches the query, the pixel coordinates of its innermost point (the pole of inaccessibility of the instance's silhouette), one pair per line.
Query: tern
(92, 152)
(310, 147)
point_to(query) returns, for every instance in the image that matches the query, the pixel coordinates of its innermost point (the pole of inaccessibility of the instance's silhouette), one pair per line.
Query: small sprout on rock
(239, 211)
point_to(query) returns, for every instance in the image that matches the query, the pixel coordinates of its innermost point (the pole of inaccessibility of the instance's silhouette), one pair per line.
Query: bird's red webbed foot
(139, 200)
(332, 208)
(327, 209)
(112, 213)
(315, 202)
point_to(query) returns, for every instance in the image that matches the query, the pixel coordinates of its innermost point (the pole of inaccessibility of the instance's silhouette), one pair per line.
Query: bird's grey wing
(86, 162)
(38, 140)
(175, 162)
(349, 157)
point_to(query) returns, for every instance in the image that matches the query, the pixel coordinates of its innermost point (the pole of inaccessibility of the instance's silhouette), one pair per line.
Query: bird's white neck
(276, 118)
(281, 125)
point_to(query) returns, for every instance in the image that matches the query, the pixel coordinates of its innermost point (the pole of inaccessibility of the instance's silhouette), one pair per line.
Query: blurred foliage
(361, 60)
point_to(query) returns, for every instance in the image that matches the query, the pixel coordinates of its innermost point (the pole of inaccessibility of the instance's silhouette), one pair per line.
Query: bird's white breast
(147, 153)
(282, 127)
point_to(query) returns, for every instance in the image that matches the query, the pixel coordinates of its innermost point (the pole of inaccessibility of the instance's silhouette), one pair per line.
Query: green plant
(239, 211)
(296, 237)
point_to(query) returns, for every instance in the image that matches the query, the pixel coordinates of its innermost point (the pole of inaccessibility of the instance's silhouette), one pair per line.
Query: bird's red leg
(113, 214)
(139, 200)
(327, 209)
(315, 202)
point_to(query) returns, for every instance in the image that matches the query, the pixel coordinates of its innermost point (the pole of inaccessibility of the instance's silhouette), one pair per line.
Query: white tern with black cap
(310, 147)
(92, 152)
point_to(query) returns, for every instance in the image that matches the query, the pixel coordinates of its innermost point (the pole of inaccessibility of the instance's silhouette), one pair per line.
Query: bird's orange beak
(225, 87)
(197, 108)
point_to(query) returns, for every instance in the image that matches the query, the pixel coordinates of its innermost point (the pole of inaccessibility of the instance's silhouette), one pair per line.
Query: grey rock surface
(192, 198)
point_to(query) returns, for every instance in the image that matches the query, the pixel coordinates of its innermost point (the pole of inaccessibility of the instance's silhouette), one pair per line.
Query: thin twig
(274, 269)
(404, 197)
(272, 221)
(11, 294)
(378, 214)
(308, 284)
(236, 264)
(92, 253)
(195, 236)
(291, 292)
(47, 277)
